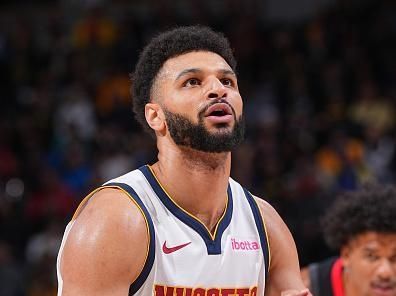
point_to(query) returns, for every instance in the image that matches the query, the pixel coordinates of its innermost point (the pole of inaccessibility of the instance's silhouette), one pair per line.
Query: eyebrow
(188, 71)
(369, 249)
(197, 70)
(227, 72)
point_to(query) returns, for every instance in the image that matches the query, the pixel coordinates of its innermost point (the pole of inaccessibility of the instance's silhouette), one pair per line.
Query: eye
(371, 257)
(192, 82)
(227, 82)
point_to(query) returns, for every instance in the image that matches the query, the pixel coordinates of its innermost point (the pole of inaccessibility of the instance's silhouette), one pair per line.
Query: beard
(186, 133)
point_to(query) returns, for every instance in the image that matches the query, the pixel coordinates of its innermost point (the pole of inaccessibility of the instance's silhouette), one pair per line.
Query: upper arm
(284, 271)
(106, 248)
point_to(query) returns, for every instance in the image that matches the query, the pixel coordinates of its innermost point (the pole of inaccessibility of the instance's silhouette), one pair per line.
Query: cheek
(182, 104)
(362, 269)
(238, 105)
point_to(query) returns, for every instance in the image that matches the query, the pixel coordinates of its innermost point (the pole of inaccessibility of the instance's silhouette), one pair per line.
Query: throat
(204, 161)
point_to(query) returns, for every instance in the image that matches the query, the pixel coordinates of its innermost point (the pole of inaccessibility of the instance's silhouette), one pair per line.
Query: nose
(385, 270)
(216, 89)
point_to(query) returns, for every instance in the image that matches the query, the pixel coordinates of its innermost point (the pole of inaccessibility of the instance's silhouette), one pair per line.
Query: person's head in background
(362, 226)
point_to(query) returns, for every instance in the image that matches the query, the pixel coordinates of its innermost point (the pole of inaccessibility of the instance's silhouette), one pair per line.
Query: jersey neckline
(212, 241)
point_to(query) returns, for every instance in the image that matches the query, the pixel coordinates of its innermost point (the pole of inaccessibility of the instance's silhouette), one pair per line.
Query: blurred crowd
(319, 99)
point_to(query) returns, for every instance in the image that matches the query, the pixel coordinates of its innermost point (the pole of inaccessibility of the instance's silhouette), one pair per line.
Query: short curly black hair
(371, 208)
(167, 45)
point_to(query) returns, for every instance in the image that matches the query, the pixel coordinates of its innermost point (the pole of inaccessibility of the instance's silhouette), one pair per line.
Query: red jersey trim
(336, 278)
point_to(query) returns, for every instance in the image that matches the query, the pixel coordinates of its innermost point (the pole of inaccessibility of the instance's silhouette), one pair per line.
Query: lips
(384, 289)
(218, 110)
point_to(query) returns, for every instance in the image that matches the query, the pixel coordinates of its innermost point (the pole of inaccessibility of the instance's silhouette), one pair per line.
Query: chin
(221, 128)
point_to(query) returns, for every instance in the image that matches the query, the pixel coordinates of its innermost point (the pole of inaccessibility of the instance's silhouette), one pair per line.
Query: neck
(204, 162)
(197, 181)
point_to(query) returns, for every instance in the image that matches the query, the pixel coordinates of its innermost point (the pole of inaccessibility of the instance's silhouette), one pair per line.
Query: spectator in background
(95, 30)
(75, 115)
(41, 253)
(371, 109)
(11, 273)
(362, 226)
(52, 198)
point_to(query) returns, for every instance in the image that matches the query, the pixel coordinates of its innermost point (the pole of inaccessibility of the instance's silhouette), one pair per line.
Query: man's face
(370, 265)
(199, 95)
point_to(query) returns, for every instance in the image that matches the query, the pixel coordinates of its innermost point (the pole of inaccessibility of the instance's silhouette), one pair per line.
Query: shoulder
(284, 268)
(109, 238)
(272, 220)
(277, 231)
(275, 226)
(110, 212)
(264, 206)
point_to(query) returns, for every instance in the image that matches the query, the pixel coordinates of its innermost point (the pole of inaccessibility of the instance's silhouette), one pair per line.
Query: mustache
(220, 100)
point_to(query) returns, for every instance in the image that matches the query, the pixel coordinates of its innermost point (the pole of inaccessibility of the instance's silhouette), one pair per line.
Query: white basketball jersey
(183, 257)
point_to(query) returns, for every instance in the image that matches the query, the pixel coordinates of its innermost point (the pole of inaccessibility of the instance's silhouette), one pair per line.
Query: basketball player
(181, 226)
(362, 225)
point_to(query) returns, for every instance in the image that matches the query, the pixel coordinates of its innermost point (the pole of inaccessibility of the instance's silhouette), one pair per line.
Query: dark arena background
(318, 80)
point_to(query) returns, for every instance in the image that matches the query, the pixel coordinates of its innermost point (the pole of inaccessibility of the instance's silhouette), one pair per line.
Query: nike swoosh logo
(168, 250)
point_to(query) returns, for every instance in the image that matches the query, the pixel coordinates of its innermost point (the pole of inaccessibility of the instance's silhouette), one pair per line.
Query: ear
(345, 254)
(154, 116)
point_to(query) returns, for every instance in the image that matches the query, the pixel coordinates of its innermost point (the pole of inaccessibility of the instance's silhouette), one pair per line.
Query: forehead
(375, 240)
(204, 60)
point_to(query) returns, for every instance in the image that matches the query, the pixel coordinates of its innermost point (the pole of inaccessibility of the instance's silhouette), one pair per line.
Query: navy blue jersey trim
(137, 284)
(213, 246)
(260, 227)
